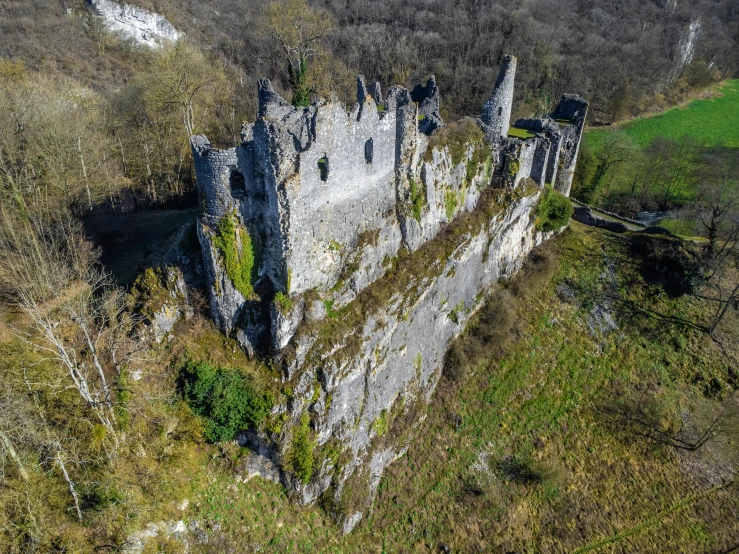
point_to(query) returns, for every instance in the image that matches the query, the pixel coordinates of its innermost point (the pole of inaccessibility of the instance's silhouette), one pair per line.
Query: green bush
(554, 210)
(226, 399)
(284, 302)
(450, 204)
(380, 425)
(417, 200)
(240, 266)
(300, 458)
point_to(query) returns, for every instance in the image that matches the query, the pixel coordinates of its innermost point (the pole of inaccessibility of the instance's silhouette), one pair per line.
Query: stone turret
(496, 113)
(427, 98)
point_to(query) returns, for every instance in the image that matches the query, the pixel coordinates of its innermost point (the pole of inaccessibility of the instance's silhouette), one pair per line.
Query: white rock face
(687, 46)
(138, 24)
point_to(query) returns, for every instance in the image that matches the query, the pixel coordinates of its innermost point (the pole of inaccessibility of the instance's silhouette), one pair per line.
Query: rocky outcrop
(585, 216)
(135, 23)
(374, 234)
(372, 370)
(160, 295)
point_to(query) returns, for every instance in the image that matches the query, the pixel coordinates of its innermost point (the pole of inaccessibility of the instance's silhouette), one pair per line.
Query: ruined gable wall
(357, 196)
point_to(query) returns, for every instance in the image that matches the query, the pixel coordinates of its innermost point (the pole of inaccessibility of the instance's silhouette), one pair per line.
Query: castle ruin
(330, 204)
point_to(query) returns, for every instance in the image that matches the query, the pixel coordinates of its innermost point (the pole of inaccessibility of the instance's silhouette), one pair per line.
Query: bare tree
(184, 79)
(717, 207)
(77, 317)
(297, 28)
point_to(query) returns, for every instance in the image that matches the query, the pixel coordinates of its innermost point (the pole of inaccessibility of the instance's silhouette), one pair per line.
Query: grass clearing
(519, 133)
(711, 121)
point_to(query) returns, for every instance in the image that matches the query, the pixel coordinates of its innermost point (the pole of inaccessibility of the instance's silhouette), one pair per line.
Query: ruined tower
(496, 113)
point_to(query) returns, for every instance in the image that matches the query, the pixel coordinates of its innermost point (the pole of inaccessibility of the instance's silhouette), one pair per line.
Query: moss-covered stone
(456, 136)
(235, 245)
(300, 458)
(418, 199)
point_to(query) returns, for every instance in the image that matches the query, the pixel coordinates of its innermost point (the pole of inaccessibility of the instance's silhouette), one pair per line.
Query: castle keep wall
(328, 196)
(346, 186)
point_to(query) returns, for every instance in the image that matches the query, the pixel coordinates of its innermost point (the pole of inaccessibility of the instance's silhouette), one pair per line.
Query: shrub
(450, 203)
(417, 200)
(300, 458)
(240, 266)
(284, 302)
(554, 210)
(380, 425)
(226, 399)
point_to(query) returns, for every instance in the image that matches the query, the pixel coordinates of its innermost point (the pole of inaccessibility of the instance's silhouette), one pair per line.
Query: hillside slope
(556, 428)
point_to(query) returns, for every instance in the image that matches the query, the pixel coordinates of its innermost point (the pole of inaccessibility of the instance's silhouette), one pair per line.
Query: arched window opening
(238, 184)
(323, 168)
(369, 150)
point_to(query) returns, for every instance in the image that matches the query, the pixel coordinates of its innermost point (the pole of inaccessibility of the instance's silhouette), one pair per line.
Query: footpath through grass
(712, 122)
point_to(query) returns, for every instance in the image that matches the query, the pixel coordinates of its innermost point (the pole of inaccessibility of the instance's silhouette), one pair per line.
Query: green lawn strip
(652, 521)
(712, 122)
(519, 133)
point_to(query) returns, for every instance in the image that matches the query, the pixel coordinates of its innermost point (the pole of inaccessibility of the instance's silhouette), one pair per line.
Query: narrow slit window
(323, 168)
(500, 110)
(238, 184)
(369, 150)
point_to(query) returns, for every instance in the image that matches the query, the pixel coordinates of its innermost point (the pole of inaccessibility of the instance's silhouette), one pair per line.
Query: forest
(106, 429)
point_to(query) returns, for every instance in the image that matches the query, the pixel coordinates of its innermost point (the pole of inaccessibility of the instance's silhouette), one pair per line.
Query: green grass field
(525, 453)
(713, 122)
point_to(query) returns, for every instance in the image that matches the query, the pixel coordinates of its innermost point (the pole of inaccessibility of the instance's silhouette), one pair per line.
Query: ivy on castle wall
(237, 250)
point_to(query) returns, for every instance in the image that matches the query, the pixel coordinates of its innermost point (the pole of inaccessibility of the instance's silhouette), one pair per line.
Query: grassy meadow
(659, 163)
(711, 121)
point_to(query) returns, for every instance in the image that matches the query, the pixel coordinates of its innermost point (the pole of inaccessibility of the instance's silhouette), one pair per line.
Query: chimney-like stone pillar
(496, 113)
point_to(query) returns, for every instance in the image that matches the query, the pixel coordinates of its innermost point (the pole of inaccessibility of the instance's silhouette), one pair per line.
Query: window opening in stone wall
(323, 168)
(500, 110)
(369, 150)
(238, 184)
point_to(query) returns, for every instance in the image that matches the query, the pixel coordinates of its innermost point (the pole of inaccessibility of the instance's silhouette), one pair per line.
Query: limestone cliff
(132, 22)
(352, 247)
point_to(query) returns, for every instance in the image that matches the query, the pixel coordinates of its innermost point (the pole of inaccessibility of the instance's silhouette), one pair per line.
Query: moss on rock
(235, 245)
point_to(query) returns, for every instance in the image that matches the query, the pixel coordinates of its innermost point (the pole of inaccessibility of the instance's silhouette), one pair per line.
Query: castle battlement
(328, 196)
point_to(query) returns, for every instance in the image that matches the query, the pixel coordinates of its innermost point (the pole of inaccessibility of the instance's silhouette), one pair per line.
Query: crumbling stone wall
(332, 200)
(328, 196)
(496, 113)
(571, 112)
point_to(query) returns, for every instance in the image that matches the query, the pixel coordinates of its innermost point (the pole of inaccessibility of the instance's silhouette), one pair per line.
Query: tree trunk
(84, 172)
(70, 483)
(14, 455)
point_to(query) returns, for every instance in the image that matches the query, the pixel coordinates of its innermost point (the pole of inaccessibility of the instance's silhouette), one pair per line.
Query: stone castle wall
(334, 201)
(327, 196)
